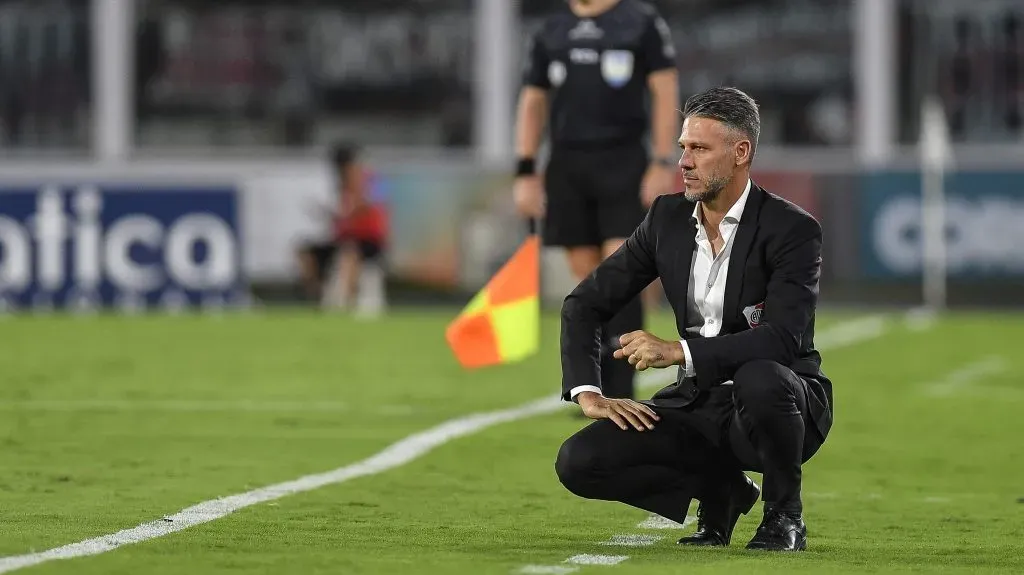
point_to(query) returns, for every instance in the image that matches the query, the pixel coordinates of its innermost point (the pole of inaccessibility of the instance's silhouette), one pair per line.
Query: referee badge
(556, 73)
(617, 67)
(753, 314)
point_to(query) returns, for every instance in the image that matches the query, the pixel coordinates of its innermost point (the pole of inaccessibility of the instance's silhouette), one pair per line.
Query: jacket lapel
(740, 250)
(684, 256)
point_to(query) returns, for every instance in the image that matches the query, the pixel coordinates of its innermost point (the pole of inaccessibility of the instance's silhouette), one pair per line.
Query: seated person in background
(316, 257)
(357, 278)
(318, 251)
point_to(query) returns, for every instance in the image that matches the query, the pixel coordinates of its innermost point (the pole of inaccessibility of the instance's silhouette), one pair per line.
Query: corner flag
(501, 324)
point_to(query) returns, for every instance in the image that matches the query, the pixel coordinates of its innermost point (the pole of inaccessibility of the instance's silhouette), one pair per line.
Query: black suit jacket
(775, 261)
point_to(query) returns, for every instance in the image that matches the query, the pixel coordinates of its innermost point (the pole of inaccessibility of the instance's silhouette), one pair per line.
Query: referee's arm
(533, 101)
(663, 83)
(530, 120)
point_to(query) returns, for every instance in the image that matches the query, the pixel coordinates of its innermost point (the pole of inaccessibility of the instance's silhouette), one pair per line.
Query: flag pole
(531, 226)
(533, 229)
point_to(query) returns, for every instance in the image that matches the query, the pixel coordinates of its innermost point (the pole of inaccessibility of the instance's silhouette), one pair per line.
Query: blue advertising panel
(87, 246)
(984, 225)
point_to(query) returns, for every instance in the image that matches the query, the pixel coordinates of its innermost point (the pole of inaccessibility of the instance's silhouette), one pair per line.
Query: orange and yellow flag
(501, 324)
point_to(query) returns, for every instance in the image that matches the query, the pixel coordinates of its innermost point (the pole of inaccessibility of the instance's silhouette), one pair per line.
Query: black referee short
(593, 195)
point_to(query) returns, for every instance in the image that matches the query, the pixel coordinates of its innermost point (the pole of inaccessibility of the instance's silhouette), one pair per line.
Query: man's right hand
(529, 196)
(622, 412)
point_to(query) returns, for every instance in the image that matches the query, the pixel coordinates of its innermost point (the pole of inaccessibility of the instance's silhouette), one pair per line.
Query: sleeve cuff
(581, 388)
(688, 369)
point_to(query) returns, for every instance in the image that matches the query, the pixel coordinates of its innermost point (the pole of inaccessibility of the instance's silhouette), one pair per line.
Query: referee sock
(617, 376)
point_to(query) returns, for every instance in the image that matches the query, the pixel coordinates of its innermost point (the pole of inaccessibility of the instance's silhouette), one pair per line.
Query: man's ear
(742, 149)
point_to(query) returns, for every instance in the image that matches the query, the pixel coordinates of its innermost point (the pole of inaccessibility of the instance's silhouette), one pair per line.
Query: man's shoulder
(555, 23)
(672, 203)
(638, 12)
(668, 214)
(644, 8)
(786, 213)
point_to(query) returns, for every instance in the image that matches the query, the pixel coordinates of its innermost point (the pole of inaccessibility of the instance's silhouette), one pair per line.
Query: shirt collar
(732, 216)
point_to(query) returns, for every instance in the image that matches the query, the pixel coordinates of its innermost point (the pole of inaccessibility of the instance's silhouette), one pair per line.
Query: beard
(713, 186)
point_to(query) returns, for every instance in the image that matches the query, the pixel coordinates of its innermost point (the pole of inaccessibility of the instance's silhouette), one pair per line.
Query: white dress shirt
(708, 275)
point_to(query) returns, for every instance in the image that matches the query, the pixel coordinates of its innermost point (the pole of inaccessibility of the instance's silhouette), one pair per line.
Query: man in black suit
(740, 267)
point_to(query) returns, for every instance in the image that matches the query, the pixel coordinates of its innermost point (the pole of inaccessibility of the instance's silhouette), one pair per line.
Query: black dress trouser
(758, 423)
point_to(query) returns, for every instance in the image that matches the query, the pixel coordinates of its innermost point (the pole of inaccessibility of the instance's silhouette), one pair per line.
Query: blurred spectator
(279, 73)
(294, 104)
(45, 66)
(974, 58)
(961, 77)
(150, 58)
(1011, 57)
(347, 272)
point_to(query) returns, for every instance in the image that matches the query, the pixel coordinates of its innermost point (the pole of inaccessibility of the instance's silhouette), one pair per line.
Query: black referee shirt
(595, 71)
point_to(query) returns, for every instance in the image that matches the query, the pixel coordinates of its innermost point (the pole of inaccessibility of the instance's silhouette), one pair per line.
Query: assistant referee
(599, 73)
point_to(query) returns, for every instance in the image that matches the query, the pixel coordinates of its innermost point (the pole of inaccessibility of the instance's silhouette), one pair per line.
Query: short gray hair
(730, 106)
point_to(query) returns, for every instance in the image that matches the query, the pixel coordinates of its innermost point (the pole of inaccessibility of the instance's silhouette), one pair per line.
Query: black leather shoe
(780, 531)
(716, 519)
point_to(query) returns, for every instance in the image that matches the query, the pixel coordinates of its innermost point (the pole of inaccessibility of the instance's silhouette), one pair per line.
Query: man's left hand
(658, 181)
(644, 350)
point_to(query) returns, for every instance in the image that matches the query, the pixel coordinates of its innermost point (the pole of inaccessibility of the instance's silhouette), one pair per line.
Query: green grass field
(106, 423)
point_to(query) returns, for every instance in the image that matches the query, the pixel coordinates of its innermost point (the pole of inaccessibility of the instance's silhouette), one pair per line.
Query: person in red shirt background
(353, 275)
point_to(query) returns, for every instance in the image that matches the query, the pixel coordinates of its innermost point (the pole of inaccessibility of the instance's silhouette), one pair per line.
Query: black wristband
(525, 167)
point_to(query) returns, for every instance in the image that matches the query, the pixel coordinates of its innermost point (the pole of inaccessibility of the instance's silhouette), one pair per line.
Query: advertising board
(93, 246)
(984, 237)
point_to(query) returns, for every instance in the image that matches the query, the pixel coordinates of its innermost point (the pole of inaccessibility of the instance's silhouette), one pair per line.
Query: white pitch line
(659, 522)
(632, 540)
(958, 379)
(920, 319)
(546, 570)
(625, 540)
(597, 559)
(851, 332)
(396, 455)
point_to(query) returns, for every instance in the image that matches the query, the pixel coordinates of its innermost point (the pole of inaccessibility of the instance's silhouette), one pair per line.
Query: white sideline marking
(659, 522)
(597, 559)
(185, 405)
(626, 540)
(547, 569)
(960, 378)
(397, 454)
(920, 319)
(632, 540)
(852, 332)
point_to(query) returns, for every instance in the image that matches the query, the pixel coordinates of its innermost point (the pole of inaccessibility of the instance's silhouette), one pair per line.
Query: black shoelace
(774, 522)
